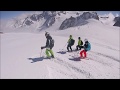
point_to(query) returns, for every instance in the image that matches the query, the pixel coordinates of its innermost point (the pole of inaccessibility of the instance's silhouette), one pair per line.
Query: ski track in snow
(70, 66)
(107, 56)
(91, 66)
(63, 60)
(105, 46)
(53, 71)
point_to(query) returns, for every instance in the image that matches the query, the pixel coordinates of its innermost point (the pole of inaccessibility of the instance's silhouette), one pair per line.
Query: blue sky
(11, 14)
(106, 12)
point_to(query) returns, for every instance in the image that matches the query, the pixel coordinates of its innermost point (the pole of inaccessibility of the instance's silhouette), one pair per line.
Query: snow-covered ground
(20, 54)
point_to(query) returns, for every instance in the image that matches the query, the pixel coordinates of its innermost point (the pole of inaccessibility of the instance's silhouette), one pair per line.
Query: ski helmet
(46, 34)
(79, 38)
(85, 40)
(70, 35)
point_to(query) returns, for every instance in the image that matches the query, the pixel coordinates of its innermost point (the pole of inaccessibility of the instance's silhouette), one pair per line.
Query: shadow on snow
(75, 59)
(62, 52)
(37, 59)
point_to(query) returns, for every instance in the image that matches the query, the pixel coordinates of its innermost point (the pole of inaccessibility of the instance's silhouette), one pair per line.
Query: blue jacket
(87, 46)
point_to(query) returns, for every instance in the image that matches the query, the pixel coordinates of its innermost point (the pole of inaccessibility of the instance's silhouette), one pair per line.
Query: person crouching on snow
(80, 43)
(87, 47)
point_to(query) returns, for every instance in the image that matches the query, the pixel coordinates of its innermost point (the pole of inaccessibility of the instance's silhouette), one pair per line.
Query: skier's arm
(79, 42)
(47, 43)
(68, 41)
(84, 46)
(43, 47)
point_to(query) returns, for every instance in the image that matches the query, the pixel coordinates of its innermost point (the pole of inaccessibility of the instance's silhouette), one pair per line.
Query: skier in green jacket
(70, 43)
(80, 43)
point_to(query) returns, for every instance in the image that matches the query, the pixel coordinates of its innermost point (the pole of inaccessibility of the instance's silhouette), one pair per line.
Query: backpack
(52, 42)
(89, 46)
(81, 42)
(72, 42)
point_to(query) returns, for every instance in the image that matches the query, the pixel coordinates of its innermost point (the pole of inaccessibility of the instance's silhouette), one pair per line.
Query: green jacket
(79, 42)
(69, 41)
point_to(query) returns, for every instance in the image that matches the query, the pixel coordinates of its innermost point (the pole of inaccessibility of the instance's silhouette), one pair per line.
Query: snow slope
(20, 54)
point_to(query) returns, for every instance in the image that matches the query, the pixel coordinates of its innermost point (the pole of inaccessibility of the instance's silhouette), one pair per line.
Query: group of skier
(50, 44)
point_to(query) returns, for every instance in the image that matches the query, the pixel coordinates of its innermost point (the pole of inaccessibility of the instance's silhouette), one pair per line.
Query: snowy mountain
(117, 21)
(110, 19)
(107, 19)
(79, 20)
(45, 19)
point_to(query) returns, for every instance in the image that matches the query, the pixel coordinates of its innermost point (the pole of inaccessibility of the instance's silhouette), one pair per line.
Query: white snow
(20, 53)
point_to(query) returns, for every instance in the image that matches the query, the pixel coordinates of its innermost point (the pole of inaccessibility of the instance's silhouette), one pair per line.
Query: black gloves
(42, 47)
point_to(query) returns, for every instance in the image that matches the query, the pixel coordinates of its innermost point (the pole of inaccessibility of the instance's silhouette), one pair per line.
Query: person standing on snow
(70, 43)
(87, 47)
(80, 43)
(49, 45)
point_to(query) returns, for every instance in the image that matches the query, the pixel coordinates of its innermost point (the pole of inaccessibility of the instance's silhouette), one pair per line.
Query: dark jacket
(49, 42)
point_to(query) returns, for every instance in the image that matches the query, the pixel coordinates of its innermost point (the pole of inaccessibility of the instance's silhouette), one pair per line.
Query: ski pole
(64, 46)
(40, 52)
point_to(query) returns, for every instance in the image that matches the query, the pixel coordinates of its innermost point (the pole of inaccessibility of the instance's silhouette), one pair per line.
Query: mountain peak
(42, 20)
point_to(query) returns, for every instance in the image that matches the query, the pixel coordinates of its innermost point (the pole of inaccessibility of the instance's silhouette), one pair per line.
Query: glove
(42, 47)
